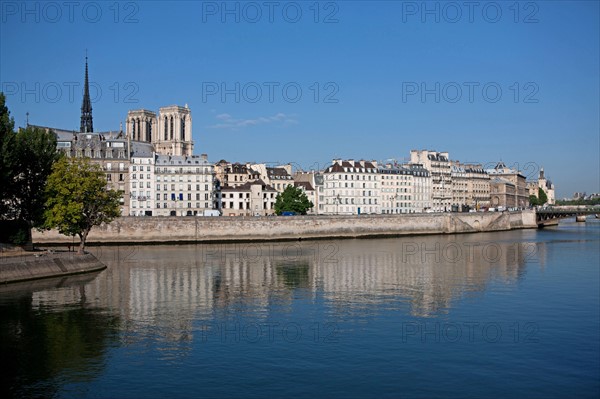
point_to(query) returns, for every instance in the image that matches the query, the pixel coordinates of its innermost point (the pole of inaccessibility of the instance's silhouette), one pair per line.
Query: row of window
(189, 187)
(179, 205)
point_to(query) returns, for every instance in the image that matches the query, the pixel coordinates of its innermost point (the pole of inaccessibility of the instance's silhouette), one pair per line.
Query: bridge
(550, 216)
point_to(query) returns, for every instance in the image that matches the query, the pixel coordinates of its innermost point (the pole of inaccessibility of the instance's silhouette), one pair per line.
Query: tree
(533, 200)
(7, 125)
(292, 199)
(78, 198)
(26, 160)
(542, 197)
(34, 154)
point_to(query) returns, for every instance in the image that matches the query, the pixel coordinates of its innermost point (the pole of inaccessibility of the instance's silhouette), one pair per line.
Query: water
(510, 314)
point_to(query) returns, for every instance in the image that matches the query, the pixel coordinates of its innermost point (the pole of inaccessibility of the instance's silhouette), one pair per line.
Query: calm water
(512, 314)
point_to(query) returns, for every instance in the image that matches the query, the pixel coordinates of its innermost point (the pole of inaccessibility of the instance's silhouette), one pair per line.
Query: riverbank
(40, 265)
(147, 230)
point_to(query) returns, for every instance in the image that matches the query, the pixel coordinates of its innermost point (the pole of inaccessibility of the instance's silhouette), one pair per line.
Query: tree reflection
(38, 345)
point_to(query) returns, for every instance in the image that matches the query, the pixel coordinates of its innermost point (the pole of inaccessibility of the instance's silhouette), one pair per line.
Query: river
(505, 314)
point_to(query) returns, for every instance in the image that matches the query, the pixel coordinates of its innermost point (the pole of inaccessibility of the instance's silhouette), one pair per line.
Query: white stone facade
(185, 186)
(141, 185)
(438, 165)
(351, 188)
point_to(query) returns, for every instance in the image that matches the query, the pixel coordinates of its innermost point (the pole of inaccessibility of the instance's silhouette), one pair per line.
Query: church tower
(87, 124)
(174, 131)
(141, 125)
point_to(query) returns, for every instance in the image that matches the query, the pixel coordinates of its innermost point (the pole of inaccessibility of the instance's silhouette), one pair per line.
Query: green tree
(292, 199)
(26, 160)
(533, 200)
(542, 197)
(34, 154)
(78, 198)
(7, 125)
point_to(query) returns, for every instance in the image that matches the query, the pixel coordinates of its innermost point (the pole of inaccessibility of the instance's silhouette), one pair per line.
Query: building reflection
(176, 289)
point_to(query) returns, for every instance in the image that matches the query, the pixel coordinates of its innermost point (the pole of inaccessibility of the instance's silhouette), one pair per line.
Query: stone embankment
(38, 265)
(145, 230)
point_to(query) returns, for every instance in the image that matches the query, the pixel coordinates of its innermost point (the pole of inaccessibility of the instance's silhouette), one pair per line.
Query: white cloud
(226, 121)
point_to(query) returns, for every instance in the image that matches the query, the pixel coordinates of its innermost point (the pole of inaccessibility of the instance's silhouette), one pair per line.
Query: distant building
(170, 132)
(234, 174)
(396, 192)
(252, 198)
(278, 177)
(185, 185)
(459, 187)
(142, 180)
(501, 171)
(421, 189)
(439, 167)
(546, 185)
(503, 193)
(478, 187)
(351, 188)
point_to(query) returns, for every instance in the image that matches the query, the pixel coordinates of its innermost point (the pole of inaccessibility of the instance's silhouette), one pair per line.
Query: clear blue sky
(369, 74)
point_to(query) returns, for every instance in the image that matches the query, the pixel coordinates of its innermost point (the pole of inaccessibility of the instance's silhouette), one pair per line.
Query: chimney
(204, 156)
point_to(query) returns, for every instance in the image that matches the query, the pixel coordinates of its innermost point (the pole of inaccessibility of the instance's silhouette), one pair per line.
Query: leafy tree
(7, 125)
(26, 160)
(292, 199)
(34, 153)
(533, 200)
(542, 197)
(78, 198)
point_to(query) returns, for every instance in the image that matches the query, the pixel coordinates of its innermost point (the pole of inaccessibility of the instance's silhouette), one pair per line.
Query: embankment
(146, 230)
(44, 264)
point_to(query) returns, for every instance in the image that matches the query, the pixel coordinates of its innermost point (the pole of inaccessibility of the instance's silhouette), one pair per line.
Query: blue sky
(304, 82)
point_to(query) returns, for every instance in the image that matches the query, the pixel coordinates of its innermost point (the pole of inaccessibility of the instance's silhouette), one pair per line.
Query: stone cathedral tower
(170, 132)
(174, 131)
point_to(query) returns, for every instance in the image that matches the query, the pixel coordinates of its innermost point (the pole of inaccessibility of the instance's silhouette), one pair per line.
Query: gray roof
(181, 160)
(141, 149)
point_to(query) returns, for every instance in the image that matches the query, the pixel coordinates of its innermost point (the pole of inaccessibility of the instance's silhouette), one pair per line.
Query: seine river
(508, 314)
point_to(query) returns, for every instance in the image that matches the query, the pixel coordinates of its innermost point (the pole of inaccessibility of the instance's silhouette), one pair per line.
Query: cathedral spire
(87, 125)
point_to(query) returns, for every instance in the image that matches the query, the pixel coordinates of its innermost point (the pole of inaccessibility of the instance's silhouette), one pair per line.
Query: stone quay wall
(45, 264)
(145, 230)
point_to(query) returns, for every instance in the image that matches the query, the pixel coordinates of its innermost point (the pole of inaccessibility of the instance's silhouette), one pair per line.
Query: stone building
(459, 187)
(421, 188)
(543, 183)
(234, 174)
(278, 177)
(170, 132)
(351, 188)
(142, 180)
(515, 177)
(396, 192)
(251, 198)
(185, 185)
(438, 165)
(503, 193)
(478, 186)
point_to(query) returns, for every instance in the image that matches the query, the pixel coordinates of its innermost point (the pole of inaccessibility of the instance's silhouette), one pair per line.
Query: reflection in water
(179, 284)
(39, 343)
(161, 294)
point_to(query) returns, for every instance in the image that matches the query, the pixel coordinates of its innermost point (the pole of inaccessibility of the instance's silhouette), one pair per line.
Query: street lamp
(337, 201)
